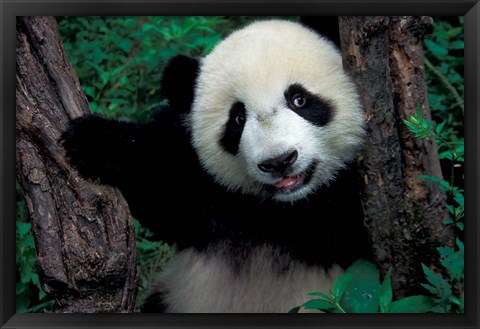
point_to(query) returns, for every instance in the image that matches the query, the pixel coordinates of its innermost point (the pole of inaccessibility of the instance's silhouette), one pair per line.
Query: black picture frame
(12, 8)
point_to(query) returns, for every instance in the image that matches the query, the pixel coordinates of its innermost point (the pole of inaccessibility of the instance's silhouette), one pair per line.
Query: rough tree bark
(83, 232)
(404, 215)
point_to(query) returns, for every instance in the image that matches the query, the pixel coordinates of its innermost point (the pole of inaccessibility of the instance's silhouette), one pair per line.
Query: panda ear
(327, 26)
(178, 82)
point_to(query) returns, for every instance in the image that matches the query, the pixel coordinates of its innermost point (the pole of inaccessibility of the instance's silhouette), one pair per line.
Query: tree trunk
(404, 215)
(84, 236)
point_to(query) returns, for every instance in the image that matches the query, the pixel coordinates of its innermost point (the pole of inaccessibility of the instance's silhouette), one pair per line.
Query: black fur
(172, 195)
(326, 25)
(316, 110)
(234, 128)
(154, 303)
(178, 82)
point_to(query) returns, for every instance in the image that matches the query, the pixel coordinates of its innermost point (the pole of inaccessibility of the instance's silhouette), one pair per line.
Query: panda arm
(99, 148)
(152, 163)
(107, 150)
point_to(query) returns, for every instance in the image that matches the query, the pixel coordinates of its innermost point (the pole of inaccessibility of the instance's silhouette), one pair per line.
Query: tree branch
(84, 236)
(404, 215)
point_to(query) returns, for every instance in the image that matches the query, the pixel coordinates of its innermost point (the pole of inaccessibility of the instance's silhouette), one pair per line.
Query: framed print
(184, 164)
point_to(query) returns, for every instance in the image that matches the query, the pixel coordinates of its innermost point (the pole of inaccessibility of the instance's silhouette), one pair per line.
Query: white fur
(268, 282)
(255, 65)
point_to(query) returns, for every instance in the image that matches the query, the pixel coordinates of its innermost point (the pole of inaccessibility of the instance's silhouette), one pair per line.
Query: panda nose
(280, 163)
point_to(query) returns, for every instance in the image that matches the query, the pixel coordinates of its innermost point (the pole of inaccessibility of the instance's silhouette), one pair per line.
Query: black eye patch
(314, 109)
(233, 130)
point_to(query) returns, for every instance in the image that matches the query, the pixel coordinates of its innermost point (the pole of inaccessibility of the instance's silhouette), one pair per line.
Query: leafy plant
(451, 150)
(359, 290)
(119, 60)
(452, 259)
(440, 288)
(444, 61)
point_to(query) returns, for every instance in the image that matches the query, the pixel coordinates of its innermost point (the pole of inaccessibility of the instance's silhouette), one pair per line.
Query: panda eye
(299, 100)
(240, 120)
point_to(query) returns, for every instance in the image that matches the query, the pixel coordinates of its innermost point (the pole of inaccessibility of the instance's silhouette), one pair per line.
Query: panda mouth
(292, 184)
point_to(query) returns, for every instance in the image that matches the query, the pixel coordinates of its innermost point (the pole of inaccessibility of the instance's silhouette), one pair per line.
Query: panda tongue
(284, 182)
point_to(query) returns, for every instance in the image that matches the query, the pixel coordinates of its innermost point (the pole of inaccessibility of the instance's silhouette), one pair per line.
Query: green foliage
(451, 150)
(453, 260)
(444, 61)
(361, 294)
(359, 290)
(445, 299)
(119, 60)
(152, 257)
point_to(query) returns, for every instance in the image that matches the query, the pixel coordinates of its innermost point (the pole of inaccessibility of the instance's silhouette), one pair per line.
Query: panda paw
(90, 144)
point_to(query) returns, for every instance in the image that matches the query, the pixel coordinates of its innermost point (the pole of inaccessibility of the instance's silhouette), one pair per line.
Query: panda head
(274, 114)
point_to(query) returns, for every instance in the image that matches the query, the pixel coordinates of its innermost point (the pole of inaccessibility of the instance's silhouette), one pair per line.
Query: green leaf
(22, 303)
(458, 44)
(362, 292)
(445, 251)
(439, 288)
(445, 186)
(436, 49)
(321, 294)
(27, 242)
(460, 245)
(451, 209)
(442, 308)
(431, 289)
(460, 148)
(97, 67)
(295, 309)
(453, 261)
(89, 91)
(146, 245)
(40, 307)
(439, 128)
(459, 213)
(454, 32)
(448, 220)
(412, 304)
(458, 197)
(318, 304)
(341, 285)
(412, 126)
(41, 294)
(23, 228)
(386, 294)
(446, 155)
(455, 300)
(434, 279)
(115, 101)
(34, 278)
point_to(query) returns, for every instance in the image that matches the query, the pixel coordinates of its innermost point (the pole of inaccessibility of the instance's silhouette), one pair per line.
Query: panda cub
(248, 171)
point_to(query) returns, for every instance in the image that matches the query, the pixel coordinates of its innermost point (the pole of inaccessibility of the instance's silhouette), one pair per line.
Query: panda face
(274, 114)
